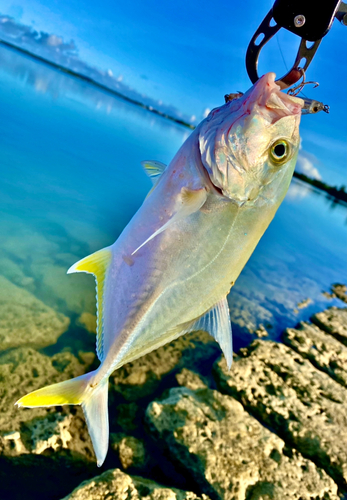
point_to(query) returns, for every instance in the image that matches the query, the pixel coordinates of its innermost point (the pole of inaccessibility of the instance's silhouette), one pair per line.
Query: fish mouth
(272, 103)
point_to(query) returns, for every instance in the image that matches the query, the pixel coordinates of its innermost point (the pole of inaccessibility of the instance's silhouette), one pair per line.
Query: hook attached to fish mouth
(311, 106)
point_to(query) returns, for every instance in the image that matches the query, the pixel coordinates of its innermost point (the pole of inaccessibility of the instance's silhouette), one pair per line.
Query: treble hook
(294, 91)
(311, 106)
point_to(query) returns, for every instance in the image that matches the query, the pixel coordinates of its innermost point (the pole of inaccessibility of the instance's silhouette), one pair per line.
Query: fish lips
(219, 135)
(270, 101)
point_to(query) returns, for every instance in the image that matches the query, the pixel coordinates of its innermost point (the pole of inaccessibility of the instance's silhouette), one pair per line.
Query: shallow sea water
(71, 179)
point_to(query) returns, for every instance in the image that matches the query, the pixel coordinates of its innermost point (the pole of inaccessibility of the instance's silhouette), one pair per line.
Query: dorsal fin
(97, 264)
(153, 169)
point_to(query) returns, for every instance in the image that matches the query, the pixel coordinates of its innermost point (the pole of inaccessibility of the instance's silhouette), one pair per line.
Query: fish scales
(172, 267)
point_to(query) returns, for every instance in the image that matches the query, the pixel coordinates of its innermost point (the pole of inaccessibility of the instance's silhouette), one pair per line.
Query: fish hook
(311, 106)
(294, 91)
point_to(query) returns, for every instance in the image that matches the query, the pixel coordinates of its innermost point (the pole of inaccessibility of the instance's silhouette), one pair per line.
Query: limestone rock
(131, 451)
(25, 320)
(340, 291)
(304, 303)
(190, 380)
(14, 273)
(143, 376)
(87, 321)
(337, 291)
(287, 393)
(229, 454)
(35, 430)
(261, 332)
(323, 350)
(333, 321)
(118, 485)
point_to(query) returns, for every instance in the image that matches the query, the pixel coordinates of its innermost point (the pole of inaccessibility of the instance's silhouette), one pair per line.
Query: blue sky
(188, 54)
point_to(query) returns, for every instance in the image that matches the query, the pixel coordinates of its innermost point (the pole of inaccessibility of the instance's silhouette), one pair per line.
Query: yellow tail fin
(79, 391)
(69, 392)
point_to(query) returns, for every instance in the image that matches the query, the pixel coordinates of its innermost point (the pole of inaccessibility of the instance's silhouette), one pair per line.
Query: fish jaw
(236, 139)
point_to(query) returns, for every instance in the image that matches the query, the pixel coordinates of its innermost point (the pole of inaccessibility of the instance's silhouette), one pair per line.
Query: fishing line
(284, 61)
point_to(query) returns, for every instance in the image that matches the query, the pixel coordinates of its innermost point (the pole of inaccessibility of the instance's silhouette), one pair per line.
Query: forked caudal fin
(79, 391)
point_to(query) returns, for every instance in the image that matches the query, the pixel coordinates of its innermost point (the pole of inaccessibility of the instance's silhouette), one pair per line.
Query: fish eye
(279, 151)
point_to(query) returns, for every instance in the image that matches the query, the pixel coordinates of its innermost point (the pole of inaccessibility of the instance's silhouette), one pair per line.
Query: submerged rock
(13, 272)
(87, 321)
(25, 320)
(322, 349)
(229, 454)
(302, 404)
(304, 303)
(247, 314)
(75, 292)
(115, 484)
(333, 321)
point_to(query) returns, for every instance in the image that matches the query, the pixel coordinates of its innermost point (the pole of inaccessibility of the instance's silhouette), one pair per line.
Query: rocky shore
(182, 426)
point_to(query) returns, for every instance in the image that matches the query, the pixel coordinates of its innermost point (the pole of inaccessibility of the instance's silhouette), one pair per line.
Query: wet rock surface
(115, 484)
(333, 321)
(323, 350)
(301, 404)
(228, 453)
(25, 320)
(339, 291)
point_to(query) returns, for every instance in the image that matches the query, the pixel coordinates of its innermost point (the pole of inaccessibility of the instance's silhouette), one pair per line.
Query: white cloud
(297, 191)
(305, 165)
(54, 41)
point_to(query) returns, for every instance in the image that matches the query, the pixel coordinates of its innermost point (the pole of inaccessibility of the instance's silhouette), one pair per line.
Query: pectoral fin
(190, 201)
(217, 323)
(153, 169)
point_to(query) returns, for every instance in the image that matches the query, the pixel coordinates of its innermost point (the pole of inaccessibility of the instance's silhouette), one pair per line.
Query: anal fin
(216, 321)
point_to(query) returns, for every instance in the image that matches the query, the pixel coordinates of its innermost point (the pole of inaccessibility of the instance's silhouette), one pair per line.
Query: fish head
(249, 146)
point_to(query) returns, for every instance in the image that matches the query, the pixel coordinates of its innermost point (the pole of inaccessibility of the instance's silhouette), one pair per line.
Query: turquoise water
(71, 179)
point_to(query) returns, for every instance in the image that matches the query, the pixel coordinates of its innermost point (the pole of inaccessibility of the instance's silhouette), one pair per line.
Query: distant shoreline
(337, 193)
(101, 86)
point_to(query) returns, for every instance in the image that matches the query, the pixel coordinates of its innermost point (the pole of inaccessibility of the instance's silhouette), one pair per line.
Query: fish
(172, 267)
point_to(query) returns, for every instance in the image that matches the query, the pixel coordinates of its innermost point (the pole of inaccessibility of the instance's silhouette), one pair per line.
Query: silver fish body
(174, 264)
